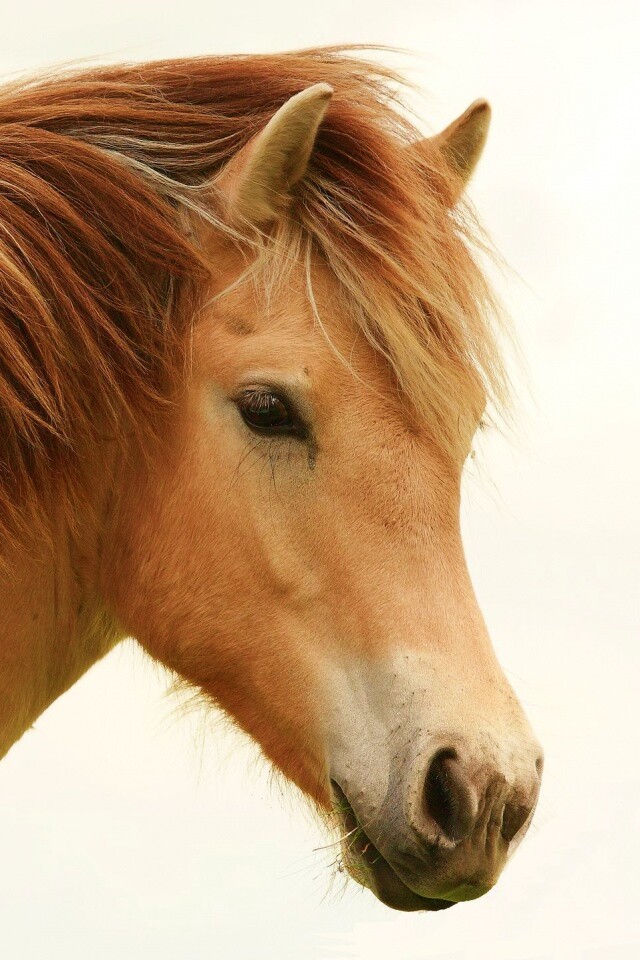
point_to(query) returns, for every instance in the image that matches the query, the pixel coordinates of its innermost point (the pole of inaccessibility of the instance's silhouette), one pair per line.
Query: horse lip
(386, 884)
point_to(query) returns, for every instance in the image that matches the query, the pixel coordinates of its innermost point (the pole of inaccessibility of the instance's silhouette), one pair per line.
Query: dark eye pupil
(266, 412)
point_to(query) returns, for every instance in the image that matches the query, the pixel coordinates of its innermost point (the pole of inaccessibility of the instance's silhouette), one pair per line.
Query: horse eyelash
(269, 450)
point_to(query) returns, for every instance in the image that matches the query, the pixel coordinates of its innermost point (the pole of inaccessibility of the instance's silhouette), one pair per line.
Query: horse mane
(100, 280)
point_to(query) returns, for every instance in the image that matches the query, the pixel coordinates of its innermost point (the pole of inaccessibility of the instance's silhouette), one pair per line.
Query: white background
(128, 833)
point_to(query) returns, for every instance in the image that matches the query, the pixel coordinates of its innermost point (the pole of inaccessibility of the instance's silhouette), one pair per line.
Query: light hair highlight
(100, 279)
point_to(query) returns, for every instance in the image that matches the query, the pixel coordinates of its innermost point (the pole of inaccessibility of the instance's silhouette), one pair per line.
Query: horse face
(293, 549)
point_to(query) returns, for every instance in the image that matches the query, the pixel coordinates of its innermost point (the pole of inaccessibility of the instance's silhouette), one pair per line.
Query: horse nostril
(518, 809)
(514, 817)
(450, 800)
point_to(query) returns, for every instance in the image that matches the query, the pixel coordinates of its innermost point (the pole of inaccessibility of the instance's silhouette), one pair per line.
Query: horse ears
(462, 142)
(256, 184)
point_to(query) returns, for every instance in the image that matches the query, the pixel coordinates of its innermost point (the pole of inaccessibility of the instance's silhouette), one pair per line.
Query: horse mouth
(368, 867)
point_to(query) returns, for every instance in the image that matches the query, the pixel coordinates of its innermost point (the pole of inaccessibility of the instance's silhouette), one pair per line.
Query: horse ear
(462, 142)
(256, 183)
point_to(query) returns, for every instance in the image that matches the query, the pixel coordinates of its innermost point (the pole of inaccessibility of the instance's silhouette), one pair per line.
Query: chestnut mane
(100, 278)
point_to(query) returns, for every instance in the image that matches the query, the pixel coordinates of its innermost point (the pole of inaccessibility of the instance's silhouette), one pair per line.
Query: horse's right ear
(255, 186)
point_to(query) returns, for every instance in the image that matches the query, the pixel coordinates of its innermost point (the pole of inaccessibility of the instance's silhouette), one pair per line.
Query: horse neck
(54, 625)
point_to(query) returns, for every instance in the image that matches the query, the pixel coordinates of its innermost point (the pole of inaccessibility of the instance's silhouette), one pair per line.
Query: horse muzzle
(440, 839)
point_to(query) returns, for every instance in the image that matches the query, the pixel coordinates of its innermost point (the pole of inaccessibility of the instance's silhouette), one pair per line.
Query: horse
(246, 340)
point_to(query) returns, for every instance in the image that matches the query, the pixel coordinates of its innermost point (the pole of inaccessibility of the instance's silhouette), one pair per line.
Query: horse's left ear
(255, 186)
(462, 142)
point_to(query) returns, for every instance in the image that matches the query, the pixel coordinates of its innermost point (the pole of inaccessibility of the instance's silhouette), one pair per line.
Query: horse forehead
(309, 336)
(232, 345)
(240, 334)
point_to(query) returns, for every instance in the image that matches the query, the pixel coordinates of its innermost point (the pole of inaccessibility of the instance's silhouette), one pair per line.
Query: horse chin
(367, 866)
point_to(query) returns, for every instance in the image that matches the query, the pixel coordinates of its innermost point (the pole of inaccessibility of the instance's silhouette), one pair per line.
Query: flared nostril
(514, 817)
(450, 799)
(520, 806)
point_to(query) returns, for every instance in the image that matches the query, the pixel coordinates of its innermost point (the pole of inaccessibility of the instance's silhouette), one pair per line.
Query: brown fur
(100, 279)
(312, 583)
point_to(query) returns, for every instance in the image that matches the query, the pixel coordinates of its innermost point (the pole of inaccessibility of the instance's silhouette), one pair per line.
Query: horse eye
(266, 412)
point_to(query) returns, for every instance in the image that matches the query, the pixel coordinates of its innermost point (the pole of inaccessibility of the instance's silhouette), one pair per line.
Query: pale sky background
(127, 835)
